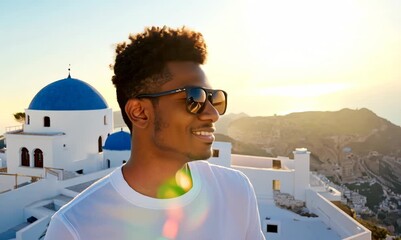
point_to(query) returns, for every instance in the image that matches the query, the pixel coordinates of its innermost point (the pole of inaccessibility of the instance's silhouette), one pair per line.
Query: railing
(14, 128)
(58, 172)
(16, 175)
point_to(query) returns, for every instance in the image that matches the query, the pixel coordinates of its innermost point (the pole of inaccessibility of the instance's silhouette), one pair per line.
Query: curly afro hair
(140, 65)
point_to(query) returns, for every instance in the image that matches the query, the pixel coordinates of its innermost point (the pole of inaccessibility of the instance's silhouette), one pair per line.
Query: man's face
(175, 131)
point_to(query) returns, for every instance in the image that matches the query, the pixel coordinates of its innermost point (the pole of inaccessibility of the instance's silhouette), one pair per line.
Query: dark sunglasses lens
(196, 98)
(219, 101)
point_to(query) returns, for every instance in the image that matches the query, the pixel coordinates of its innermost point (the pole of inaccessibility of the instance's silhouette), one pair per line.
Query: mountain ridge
(342, 127)
(357, 138)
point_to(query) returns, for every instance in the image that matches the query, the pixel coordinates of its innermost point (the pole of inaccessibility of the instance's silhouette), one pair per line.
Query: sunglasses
(196, 98)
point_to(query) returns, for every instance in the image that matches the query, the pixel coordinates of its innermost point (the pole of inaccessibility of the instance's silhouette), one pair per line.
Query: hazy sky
(272, 57)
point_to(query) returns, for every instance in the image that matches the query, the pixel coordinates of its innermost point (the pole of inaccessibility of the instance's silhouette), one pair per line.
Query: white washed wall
(224, 158)
(15, 142)
(301, 173)
(82, 129)
(335, 218)
(262, 180)
(116, 158)
(14, 202)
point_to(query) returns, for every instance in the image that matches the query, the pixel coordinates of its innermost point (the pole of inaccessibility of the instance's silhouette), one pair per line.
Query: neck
(157, 177)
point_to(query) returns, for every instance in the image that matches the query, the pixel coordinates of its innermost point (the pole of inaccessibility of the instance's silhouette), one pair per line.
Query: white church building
(68, 142)
(67, 124)
(117, 149)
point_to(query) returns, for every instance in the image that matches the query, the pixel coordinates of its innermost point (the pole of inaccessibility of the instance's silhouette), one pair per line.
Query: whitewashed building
(67, 123)
(117, 149)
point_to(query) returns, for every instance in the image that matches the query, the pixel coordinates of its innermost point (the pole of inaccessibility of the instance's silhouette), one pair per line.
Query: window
(46, 121)
(24, 157)
(100, 144)
(276, 185)
(38, 156)
(108, 163)
(28, 120)
(215, 152)
(272, 228)
(105, 120)
(276, 164)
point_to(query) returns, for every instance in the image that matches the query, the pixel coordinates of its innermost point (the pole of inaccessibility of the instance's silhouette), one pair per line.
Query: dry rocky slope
(332, 137)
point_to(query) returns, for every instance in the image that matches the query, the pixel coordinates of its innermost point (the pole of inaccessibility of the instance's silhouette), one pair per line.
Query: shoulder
(94, 188)
(221, 174)
(217, 169)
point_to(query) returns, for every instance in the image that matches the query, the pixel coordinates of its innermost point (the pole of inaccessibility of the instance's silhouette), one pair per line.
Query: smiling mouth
(205, 136)
(202, 133)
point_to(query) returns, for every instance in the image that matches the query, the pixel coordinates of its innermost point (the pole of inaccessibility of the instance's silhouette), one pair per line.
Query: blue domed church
(66, 127)
(117, 149)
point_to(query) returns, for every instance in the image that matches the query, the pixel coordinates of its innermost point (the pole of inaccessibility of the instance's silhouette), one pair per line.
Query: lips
(206, 134)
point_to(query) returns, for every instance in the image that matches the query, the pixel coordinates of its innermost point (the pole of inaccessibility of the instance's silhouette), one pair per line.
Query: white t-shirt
(220, 205)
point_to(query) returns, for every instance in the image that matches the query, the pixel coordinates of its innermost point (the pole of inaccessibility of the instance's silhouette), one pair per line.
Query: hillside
(225, 121)
(322, 132)
(334, 138)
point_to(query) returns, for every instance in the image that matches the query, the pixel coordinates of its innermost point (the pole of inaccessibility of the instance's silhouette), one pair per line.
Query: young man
(162, 192)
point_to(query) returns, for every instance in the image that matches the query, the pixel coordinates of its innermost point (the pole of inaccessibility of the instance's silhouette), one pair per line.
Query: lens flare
(176, 186)
(173, 220)
(180, 184)
(170, 229)
(183, 180)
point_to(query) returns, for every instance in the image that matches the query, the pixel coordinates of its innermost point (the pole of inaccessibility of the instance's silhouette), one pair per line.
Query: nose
(209, 113)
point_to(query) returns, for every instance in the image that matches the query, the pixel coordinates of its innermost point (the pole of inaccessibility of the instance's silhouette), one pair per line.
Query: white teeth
(202, 133)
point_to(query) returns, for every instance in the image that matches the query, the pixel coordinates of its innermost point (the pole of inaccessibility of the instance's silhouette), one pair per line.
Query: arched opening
(46, 121)
(38, 156)
(100, 144)
(24, 157)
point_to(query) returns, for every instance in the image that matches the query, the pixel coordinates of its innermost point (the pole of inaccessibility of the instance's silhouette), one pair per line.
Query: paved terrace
(294, 226)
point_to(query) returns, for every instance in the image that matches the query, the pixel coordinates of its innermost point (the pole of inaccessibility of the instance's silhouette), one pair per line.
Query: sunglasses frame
(209, 96)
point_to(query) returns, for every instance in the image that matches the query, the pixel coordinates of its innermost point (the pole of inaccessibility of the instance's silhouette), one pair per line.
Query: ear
(137, 112)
